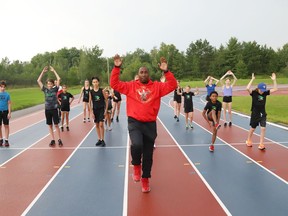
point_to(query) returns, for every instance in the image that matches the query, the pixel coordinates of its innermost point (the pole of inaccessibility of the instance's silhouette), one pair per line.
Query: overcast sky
(29, 27)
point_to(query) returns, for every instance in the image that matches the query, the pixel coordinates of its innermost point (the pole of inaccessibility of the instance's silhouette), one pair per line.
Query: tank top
(86, 94)
(227, 91)
(98, 99)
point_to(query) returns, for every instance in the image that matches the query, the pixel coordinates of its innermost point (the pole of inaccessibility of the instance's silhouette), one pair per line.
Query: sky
(31, 27)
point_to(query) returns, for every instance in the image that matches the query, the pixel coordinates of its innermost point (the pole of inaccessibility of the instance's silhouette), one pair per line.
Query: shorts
(86, 100)
(4, 117)
(65, 109)
(52, 115)
(109, 111)
(258, 119)
(116, 101)
(227, 99)
(188, 109)
(178, 99)
(99, 115)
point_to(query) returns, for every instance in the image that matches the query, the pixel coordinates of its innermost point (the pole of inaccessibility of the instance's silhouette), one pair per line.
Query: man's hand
(163, 64)
(117, 60)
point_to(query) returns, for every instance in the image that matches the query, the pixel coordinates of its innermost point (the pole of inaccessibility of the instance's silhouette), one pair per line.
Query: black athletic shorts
(85, 100)
(258, 119)
(52, 115)
(99, 115)
(4, 117)
(227, 99)
(188, 109)
(65, 108)
(178, 99)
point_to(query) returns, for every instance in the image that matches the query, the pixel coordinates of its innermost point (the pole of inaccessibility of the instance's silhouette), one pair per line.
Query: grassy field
(276, 107)
(26, 97)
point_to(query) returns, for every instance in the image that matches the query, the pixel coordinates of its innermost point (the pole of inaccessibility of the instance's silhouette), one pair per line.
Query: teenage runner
(177, 100)
(64, 101)
(210, 86)
(116, 105)
(5, 113)
(85, 92)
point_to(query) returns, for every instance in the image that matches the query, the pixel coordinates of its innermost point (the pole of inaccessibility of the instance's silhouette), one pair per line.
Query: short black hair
(95, 77)
(3, 83)
(213, 92)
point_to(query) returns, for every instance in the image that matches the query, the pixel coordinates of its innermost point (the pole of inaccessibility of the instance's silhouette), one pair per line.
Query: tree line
(198, 61)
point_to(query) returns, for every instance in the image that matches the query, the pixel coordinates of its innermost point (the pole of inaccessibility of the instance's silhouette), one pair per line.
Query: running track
(81, 179)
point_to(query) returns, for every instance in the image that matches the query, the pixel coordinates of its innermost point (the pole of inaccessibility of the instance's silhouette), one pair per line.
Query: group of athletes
(213, 107)
(143, 98)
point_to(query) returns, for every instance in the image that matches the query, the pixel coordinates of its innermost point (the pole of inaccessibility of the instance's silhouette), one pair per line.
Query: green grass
(22, 98)
(240, 82)
(276, 107)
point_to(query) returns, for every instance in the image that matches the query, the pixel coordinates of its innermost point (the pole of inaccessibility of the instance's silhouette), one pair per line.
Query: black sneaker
(60, 142)
(52, 143)
(1, 142)
(67, 128)
(99, 142)
(6, 143)
(111, 119)
(225, 124)
(117, 119)
(62, 129)
(103, 143)
(230, 124)
(177, 119)
(175, 116)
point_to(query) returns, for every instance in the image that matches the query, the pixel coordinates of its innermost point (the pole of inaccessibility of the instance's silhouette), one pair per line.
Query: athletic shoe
(248, 143)
(145, 185)
(6, 143)
(67, 128)
(117, 119)
(137, 173)
(99, 142)
(191, 126)
(111, 119)
(60, 142)
(261, 147)
(211, 148)
(52, 143)
(62, 129)
(1, 142)
(110, 128)
(187, 127)
(177, 119)
(102, 143)
(175, 116)
(225, 124)
(230, 124)
(217, 126)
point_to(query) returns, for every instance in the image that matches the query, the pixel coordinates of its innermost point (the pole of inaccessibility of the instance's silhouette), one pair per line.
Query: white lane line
(25, 149)
(198, 172)
(55, 175)
(125, 197)
(269, 171)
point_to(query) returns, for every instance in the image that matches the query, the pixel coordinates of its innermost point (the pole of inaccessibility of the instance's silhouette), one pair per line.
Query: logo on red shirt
(144, 95)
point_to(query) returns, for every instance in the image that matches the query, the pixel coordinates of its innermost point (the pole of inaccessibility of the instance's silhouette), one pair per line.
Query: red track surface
(35, 167)
(170, 172)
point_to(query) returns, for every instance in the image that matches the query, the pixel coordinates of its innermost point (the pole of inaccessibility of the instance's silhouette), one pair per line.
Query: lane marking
(55, 175)
(28, 147)
(125, 195)
(269, 171)
(198, 172)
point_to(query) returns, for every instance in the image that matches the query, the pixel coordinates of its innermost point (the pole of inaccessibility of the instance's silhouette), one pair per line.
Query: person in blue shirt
(5, 113)
(210, 84)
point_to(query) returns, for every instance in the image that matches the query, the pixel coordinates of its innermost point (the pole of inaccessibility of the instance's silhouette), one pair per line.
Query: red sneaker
(145, 185)
(217, 126)
(211, 148)
(137, 173)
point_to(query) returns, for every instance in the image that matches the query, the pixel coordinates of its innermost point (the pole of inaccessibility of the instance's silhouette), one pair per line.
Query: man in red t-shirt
(143, 102)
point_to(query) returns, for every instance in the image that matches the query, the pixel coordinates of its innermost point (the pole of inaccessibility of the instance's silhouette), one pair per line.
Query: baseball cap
(262, 87)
